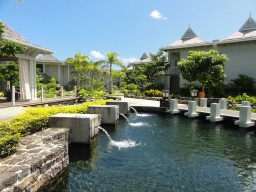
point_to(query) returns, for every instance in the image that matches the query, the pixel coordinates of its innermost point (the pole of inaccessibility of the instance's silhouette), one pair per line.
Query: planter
(201, 94)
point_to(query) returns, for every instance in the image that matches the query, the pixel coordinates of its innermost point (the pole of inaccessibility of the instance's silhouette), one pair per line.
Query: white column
(191, 109)
(203, 102)
(245, 117)
(68, 74)
(32, 72)
(246, 103)
(43, 68)
(59, 73)
(75, 90)
(61, 92)
(13, 95)
(223, 103)
(214, 113)
(174, 106)
(42, 94)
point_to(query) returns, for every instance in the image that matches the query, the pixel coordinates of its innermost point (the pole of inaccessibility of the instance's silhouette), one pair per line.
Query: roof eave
(186, 46)
(43, 50)
(237, 40)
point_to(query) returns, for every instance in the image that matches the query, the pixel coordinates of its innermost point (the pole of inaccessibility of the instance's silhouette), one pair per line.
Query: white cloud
(157, 15)
(97, 55)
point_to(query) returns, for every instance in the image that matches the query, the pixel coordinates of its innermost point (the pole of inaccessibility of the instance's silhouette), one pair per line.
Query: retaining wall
(39, 159)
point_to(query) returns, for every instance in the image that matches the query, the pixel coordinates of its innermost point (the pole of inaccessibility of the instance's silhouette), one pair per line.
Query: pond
(158, 152)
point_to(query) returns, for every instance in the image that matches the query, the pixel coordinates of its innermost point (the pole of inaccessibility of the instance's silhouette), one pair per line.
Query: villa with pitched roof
(26, 62)
(240, 48)
(53, 67)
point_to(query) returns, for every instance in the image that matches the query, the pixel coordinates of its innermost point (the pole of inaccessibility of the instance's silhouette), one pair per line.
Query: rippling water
(174, 154)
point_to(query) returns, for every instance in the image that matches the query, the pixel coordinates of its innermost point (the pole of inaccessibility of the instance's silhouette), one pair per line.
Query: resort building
(52, 67)
(26, 62)
(239, 47)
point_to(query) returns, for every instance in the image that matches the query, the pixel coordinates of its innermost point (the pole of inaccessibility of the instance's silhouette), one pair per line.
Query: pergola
(26, 62)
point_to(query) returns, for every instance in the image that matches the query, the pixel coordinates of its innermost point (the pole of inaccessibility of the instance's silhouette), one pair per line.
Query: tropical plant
(145, 74)
(153, 93)
(9, 72)
(243, 84)
(112, 59)
(86, 69)
(205, 67)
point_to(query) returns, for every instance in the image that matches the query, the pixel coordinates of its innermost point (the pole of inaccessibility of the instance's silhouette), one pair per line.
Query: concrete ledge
(83, 126)
(123, 106)
(109, 113)
(39, 158)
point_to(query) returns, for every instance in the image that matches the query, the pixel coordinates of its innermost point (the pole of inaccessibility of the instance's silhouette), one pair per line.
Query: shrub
(153, 93)
(31, 121)
(240, 98)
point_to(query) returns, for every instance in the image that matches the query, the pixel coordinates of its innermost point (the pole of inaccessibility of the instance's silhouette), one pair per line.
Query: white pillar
(32, 72)
(203, 102)
(13, 95)
(61, 92)
(174, 106)
(245, 117)
(59, 73)
(68, 74)
(246, 103)
(42, 94)
(43, 68)
(223, 103)
(214, 113)
(75, 90)
(191, 109)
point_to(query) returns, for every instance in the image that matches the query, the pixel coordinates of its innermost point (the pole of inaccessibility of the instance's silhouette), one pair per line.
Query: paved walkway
(141, 102)
(10, 112)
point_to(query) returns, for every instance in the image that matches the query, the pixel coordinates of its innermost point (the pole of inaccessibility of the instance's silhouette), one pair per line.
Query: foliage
(112, 59)
(9, 49)
(153, 93)
(90, 94)
(86, 69)
(243, 84)
(145, 74)
(130, 89)
(31, 121)
(205, 67)
(9, 72)
(243, 97)
(51, 86)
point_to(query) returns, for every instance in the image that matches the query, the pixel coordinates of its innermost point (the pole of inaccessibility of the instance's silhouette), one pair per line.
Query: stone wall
(39, 158)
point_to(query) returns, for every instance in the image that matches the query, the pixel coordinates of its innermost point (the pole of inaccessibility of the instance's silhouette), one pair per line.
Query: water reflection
(178, 154)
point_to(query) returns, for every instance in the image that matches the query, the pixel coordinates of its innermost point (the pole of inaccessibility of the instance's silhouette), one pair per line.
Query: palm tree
(112, 59)
(80, 61)
(85, 67)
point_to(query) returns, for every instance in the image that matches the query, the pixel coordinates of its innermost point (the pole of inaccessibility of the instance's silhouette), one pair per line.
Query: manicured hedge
(31, 121)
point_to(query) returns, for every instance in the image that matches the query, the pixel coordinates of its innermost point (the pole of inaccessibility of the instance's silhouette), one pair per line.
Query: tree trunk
(110, 79)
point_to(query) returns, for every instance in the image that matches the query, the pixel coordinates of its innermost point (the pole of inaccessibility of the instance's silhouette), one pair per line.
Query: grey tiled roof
(188, 39)
(48, 58)
(246, 32)
(12, 35)
(144, 56)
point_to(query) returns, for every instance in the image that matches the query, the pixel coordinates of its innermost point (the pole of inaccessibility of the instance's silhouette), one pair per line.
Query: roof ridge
(249, 25)
(189, 34)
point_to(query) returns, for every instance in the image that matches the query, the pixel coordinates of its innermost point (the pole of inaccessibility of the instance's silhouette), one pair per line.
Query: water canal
(168, 153)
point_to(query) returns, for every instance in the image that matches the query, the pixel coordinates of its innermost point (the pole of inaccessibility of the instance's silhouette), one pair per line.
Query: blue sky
(129, 27)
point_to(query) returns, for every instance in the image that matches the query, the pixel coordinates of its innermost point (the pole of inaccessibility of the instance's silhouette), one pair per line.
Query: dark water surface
(169, 153)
